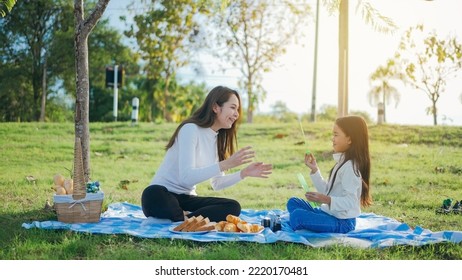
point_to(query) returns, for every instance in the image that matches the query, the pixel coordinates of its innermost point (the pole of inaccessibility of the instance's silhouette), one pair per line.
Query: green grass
(413, 169)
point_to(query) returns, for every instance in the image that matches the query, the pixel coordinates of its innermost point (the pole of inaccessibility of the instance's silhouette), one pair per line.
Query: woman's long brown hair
(205, 117)
(356, 128)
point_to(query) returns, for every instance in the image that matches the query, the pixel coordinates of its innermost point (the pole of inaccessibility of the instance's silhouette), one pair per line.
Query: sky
(291, 81)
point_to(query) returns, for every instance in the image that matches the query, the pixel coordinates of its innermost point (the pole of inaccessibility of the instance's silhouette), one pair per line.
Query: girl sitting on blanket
(201, 148)
(347, 188)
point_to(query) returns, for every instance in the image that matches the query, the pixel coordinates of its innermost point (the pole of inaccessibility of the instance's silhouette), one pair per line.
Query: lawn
(414, 168)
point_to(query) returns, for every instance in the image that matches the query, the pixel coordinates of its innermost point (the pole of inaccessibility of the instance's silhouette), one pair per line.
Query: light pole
(315, 66)
(116, 68)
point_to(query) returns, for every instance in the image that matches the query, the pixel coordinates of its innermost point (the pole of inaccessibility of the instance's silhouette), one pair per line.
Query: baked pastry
(244, 226)
(256, 228)
(220, 225)
(230, 227)
(235, 224)
(233, 219)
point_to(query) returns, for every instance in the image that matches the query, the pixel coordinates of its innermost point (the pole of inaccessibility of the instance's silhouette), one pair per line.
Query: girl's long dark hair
(205, 117)
(356, 128)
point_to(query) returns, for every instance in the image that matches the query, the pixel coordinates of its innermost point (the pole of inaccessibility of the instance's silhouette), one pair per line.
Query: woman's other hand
(257, 169)
(240, 157)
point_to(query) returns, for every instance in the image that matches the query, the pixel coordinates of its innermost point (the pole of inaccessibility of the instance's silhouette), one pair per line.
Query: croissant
(244, 227)
(255, 228)
(230, 227)
(233, 219)
(235, 224)
(220, 225)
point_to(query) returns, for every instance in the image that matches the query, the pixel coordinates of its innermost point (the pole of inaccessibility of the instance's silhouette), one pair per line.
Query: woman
(201, 148)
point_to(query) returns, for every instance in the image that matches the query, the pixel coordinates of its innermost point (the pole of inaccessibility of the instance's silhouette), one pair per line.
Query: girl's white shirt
(346, 191)
(193, 159)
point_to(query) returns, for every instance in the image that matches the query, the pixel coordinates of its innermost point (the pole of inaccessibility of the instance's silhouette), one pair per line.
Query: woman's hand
(257, 169)
(310, 162)
(240, 157)
(317, 197)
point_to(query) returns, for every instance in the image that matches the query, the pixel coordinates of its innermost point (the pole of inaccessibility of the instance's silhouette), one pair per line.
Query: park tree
(83, 27)
(26, 35)
(373, 18)
(382, 89)
(164, 34)
(252, 35)
(188, 98)
(6, 6)
(57, 73)
(106, 47)
(429, 62)
(282, 113)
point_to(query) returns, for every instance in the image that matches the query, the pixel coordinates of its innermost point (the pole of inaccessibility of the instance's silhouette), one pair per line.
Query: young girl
(202, 148)
(347, 189)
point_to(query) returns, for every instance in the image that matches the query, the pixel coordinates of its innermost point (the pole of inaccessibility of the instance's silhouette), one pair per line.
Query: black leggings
(158, 202)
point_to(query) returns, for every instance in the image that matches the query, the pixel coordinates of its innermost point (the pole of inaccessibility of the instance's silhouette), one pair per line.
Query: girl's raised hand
(310, 162)
(257, 169)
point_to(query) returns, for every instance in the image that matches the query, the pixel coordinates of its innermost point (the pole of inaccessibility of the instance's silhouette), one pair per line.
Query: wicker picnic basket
(79, 207)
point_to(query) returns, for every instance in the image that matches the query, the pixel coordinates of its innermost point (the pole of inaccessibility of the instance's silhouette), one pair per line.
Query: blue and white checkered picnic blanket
(372, 231)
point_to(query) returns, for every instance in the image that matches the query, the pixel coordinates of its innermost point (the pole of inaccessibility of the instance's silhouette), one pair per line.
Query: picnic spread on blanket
(372, 231)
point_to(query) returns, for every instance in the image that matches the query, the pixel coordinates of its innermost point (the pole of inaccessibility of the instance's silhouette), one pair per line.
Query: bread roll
(244, 227)
(69, 186)
(233, 219)
(58, 179)
(60, 191)
(220, 225)
(255, 228)
(230, 227)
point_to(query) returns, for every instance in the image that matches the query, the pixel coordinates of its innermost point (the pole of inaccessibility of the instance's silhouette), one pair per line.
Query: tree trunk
(83, 27)
(343, 60)
(44, 91)
(250, 107)
(167, 114)
(81, 117)
(36, 83)
(385, 93)
(250, 94)
(149, 112)
(435, 113)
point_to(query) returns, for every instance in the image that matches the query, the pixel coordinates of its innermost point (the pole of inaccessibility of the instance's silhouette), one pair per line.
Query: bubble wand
(304, 137)
(302, 181)
(300, 176)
